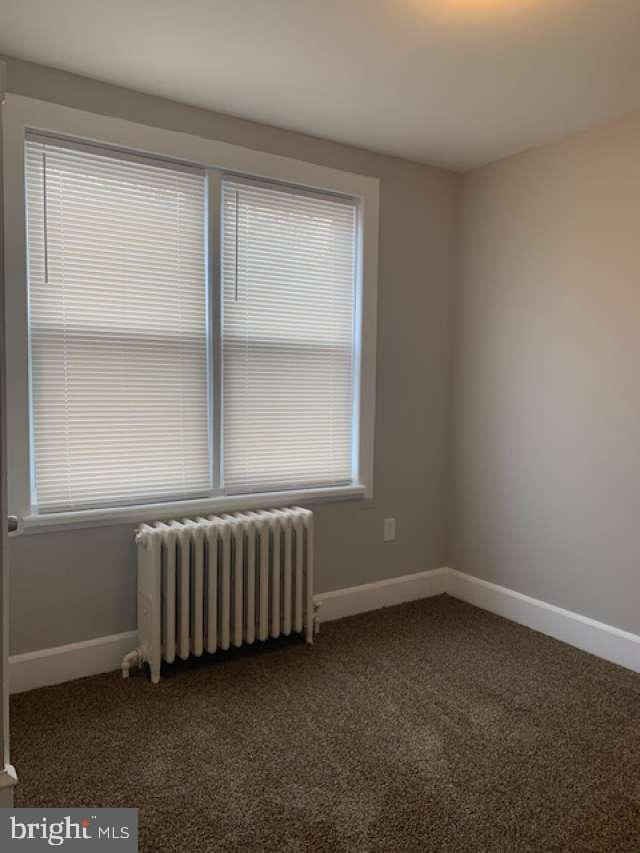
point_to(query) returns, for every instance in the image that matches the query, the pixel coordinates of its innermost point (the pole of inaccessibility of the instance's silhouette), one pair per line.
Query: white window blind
(288, 337)
(118, 327)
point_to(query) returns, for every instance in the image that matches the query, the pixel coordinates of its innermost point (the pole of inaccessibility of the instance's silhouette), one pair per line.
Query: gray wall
(546, 383)
(544, 492)
(75, 585)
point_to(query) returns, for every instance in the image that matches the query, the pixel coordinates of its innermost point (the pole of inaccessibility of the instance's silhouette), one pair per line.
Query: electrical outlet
(389, 529)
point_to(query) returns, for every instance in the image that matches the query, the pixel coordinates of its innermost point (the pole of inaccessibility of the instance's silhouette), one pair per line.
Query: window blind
(117, 302)
(288, 337)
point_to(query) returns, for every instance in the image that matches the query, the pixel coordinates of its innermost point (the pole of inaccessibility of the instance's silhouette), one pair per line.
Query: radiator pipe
(131, 659)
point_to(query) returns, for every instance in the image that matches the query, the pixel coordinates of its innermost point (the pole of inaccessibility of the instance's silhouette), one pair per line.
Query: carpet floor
(432, 726)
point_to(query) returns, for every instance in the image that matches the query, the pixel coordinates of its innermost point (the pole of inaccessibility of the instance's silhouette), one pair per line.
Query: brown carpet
(432, 726)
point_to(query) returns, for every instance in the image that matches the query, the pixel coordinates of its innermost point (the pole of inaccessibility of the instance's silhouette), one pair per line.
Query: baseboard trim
(598, 638)
(385, 593)
(104, 654)
(65, 663)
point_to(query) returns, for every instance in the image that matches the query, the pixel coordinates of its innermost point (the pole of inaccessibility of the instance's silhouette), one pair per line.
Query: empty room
(320, 426)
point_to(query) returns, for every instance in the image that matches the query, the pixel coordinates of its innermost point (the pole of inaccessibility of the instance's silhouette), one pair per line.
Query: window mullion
(214, 302)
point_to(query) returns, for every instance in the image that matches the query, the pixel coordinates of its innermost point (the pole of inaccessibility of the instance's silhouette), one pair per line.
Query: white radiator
(206, 584)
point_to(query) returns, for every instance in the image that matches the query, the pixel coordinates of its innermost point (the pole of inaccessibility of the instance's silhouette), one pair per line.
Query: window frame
(217, 159)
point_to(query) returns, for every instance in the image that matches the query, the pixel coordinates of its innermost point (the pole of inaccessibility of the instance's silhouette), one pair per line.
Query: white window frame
(22, 114)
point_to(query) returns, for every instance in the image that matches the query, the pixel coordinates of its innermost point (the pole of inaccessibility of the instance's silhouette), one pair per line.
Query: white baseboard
(65, 663)
(598, 638)
(604, 641)
(372, 596)
(104, 654)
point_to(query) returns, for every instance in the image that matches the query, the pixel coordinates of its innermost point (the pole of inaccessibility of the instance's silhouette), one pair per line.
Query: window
(190, 324)
(167, 364)
(288, 280)
(118, 329)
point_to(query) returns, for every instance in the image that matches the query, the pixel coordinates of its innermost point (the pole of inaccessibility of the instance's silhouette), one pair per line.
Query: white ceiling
(451, 82)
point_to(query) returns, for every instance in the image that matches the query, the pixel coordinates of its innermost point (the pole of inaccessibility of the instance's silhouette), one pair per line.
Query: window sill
(77, 519)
